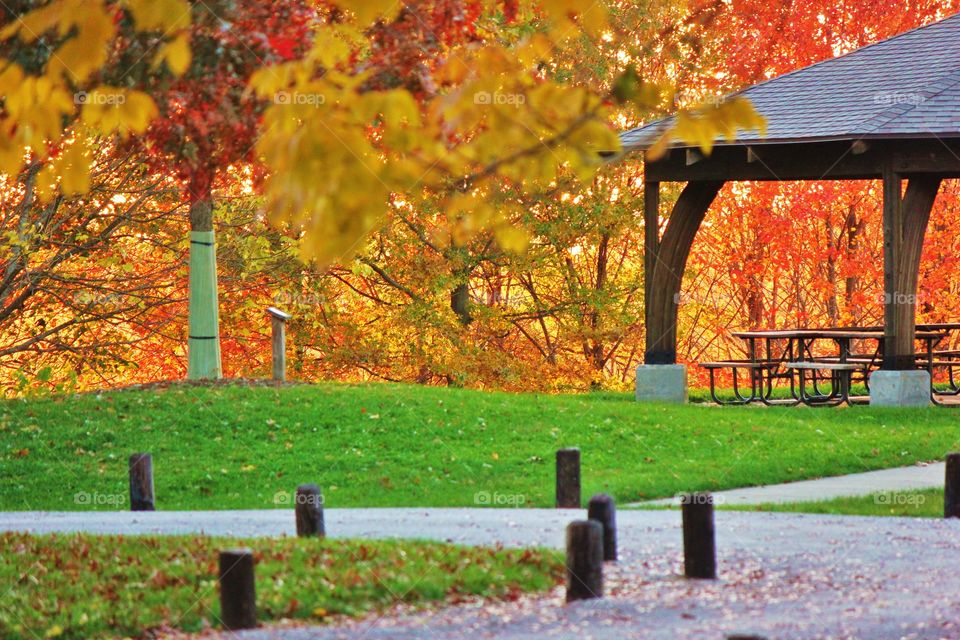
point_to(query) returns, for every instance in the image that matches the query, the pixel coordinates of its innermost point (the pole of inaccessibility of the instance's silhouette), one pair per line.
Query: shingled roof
(907, 86)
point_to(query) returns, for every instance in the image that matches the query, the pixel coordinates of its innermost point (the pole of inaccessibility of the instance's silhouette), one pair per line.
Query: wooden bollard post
(309, 511)
(278, 322)
(584, 560)
(238, 592)
(602, 509)
(951, 487)
(568, 479)
(699, 545)
(140, 467)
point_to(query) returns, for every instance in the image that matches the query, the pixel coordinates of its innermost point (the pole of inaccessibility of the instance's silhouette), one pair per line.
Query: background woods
(428, 298)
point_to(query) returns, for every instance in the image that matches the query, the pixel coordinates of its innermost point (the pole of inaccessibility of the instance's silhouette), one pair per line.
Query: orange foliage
(568, 313)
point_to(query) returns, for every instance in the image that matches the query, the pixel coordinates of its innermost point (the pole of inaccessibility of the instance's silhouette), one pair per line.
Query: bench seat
(738, 364)
(823, 366)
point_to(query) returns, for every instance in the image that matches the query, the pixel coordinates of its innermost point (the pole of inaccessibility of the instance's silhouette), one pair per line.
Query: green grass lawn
(81, 586)
(927, 503)
(399, 445)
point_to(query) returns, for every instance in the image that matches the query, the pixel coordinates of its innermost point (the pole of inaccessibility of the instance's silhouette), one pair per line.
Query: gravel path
(782, 575)
(919, 476)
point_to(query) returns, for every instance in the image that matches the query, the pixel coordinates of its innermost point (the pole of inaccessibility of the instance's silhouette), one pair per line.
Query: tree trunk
(854, 227)
(597, 347)
(833, 307)
(203, 360)
(460, 303)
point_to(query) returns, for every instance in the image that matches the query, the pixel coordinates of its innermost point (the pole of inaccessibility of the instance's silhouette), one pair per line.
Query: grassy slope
(109, 587)
(923, 504)
(396, 445)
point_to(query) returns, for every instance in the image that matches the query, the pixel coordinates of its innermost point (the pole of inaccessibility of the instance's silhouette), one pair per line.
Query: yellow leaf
(512, 239)
(369, 11)
(115, 110)
(74, 168)
(176, 54)
(85, 52)
(329, 48)
(46, 184)
(10, 78)
(160, 15)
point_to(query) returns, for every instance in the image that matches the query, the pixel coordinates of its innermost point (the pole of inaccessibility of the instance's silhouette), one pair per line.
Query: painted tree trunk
(203, 360)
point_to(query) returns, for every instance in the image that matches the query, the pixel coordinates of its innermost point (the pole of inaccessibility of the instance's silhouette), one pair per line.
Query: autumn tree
(790, 254)
(67, 295)
(207, 125)
(487, 110)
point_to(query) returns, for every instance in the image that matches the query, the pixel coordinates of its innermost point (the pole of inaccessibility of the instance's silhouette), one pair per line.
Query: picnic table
(790, 355)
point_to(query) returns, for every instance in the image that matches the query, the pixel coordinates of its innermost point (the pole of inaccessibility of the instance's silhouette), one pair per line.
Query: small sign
(279, 315)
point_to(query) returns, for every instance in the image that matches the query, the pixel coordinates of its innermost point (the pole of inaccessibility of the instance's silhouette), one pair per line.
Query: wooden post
(918, 200)
(673, 250)
(602, 509)
(951, 487)
(140, 468)
(309, 511)
(568, 479)
(894, 357)
(278, 321)
(651, 241)
(699, 545)
(203, 344)
(584, 560)
(238, 594)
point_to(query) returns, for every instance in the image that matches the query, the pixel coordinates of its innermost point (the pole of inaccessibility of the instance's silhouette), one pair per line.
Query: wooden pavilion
(889, 111)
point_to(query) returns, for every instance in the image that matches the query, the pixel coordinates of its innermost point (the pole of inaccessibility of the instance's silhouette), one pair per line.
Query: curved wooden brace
(671, 260)
(915, 215)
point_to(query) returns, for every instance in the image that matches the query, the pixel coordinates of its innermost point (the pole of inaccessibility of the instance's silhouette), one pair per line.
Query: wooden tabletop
(869, 333)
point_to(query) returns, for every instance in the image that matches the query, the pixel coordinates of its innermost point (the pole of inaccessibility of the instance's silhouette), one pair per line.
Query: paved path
(783, 576)
(922, 476)
(510, 527)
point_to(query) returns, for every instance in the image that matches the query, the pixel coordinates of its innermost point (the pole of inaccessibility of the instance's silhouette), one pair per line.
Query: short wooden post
(568, 479)
(309, 511)
(602, 509)
(584, 560)
(238, 593)
(278, 321)
(140, 467)
(699, 545)
(951, 487)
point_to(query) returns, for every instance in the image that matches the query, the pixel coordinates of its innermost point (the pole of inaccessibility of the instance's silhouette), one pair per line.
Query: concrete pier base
(900, 388)
(662, 383)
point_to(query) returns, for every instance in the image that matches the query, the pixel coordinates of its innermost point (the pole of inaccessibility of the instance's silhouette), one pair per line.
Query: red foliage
(208, 119)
